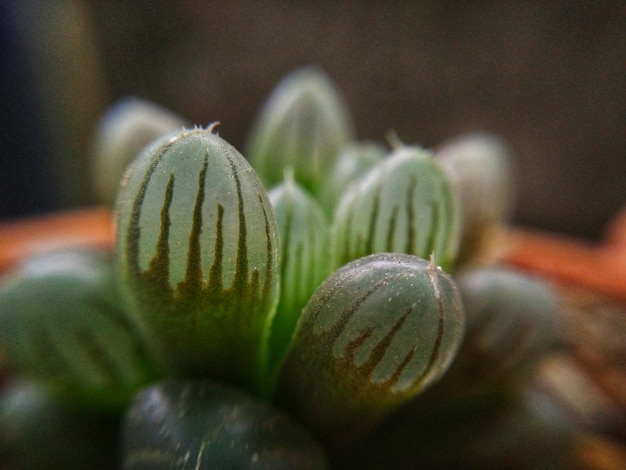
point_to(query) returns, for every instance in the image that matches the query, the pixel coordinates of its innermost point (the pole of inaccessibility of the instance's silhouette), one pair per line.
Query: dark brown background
(547, 76)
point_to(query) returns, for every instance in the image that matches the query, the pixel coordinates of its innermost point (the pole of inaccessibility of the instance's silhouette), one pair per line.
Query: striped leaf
(62, 322)
(304, 240)
(512, 323)
(304, 124)
(198, 251)
(121, 134)
(377, 332)
(404, 204)
(353, 161)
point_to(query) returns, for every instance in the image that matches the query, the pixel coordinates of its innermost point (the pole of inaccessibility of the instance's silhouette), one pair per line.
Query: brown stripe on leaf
(338, 285)
(158, 269)
(133, 234)
(192, 284)
(356, 343)
(216, 282)
(342, 320)
(240, 279)
(379, 350)
(270, 254)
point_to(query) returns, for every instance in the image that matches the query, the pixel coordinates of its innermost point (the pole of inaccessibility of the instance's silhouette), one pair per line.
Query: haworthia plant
(197, 244)
(123, 131)
(353, 161)
(63, 322)
(404, 204)
(195, 425)
(479, 166)
(512, 322)
(304, 125)
(305, 263)
(377, 332)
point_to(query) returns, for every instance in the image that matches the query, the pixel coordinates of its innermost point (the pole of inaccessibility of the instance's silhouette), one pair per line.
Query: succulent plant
(303, 125)
(304, 239)
(63, 321)
(512, 322)
(485, 411)
(354, 160)
(298, 328)
(403, 204)
(376, 333)
(123, 131)
(198, 254)
(186, 424)
(479, 166)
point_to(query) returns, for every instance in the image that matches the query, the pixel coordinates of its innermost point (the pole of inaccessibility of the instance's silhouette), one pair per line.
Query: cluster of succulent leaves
(317, 303)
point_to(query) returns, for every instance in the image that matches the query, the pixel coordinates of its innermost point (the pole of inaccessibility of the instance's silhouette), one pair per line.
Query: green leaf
(304, 124)
(479, 166)
(353, 161)
(197, 244)
(377, 332)
(203, 425)
(512, 323)
(62, 321)
(404, 204)
(477, 415)
(120, 135)
(304, 238)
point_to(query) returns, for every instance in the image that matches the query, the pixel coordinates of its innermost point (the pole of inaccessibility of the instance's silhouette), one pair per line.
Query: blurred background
(549, 77)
